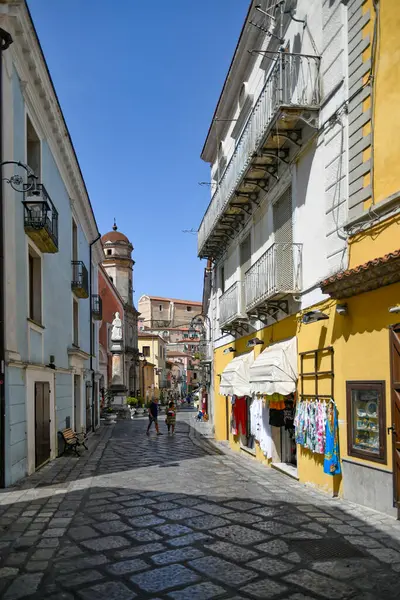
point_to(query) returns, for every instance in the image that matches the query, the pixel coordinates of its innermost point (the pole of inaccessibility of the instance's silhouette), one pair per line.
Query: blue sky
(138, 82)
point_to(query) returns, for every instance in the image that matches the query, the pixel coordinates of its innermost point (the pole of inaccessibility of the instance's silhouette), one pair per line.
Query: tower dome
(115, 236)
(118, 261)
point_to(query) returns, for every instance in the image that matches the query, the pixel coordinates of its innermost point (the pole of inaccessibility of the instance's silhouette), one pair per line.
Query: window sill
(35, 323)
(378, 460)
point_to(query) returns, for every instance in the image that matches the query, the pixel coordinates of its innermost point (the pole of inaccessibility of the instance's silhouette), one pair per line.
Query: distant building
(158, 312)
(171, 319)
(152, 349)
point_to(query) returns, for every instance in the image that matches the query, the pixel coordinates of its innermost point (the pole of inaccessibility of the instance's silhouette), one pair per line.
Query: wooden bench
(73, 440)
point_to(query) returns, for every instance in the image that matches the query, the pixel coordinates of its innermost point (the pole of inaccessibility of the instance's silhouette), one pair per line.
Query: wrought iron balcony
(97, 307)
(80, 279)
(41, 219)
(231, 305)
(275, 274)
(286, 109)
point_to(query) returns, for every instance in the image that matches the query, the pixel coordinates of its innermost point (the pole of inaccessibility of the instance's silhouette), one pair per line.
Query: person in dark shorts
(153, 416)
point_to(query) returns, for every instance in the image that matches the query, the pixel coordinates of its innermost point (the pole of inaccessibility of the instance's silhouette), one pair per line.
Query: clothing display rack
(318, 354)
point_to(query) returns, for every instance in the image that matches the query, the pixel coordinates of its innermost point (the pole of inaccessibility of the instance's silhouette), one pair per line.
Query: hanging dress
(332, 457)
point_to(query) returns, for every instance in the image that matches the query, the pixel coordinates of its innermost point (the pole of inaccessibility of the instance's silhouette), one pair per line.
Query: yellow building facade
(363, 338)
(152, 347)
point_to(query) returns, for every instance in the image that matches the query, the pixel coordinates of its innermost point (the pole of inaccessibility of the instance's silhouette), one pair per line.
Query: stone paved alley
(169, 517)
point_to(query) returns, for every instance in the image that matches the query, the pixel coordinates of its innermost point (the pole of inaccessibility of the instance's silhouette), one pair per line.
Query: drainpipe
(91, 324)
(5, 41)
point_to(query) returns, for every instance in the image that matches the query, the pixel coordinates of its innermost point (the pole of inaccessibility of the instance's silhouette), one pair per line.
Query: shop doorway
(42, 422)
(395, 389)
(284, 454)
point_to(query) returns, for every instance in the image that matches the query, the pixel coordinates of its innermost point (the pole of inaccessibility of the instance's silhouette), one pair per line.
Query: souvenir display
(366, 420)
(310, 423)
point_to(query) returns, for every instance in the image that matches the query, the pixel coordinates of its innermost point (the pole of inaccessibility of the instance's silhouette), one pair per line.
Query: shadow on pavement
(201, 527)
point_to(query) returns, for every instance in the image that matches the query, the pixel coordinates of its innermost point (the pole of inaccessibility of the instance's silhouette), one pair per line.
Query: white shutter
(283, 233)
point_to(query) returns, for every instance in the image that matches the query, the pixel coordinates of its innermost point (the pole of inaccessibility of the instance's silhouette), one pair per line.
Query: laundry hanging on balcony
(235, 376)
(275, 370)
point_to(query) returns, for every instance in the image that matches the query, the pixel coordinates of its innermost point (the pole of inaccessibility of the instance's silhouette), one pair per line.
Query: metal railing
(293, 82)
(40, 213)
(80, 279)
(277, 271)
(231, 304)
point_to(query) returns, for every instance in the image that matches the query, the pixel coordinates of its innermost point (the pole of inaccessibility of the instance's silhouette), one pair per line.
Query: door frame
(392, 331)
(32, 376)
(78, 402)
(45, 417)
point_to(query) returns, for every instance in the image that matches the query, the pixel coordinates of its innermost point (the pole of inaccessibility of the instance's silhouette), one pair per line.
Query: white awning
(275, 370)
(235, 376)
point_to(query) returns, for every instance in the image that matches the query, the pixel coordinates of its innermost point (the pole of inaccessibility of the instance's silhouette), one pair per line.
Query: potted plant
(133, 404)
(111, 417)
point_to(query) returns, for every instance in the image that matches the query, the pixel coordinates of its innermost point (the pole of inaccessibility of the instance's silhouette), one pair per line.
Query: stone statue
(116, 332)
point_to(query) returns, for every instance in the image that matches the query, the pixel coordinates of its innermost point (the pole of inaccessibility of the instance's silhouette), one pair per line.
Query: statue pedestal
(119, 400)
(117, 386)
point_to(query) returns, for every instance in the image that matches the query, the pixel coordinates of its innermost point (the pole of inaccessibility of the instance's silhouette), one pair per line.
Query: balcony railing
(41, 218)
(80, 279)
(97, 307)
(294, 83)
(231, 304)
(276, 272)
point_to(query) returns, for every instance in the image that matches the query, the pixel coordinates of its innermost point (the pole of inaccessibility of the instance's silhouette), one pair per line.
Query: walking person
(153, 416)
(171, 417)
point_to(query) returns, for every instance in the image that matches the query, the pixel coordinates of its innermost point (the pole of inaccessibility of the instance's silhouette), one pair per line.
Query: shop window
(366, 420)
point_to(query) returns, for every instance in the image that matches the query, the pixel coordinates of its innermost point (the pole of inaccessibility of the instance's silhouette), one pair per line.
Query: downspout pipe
(5, 41)
(91, 324)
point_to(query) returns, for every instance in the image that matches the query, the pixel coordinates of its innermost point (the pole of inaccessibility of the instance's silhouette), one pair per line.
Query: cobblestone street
(169, 517)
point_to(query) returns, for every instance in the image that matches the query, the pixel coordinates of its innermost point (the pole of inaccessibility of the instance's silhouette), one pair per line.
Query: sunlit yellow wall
(280, 331)
(375, 242)
(387, 101)
(385, 237)
(361, 353)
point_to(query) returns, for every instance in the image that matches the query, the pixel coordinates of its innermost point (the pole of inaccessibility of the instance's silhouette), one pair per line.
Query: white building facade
(277, 148)
(52, 250)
